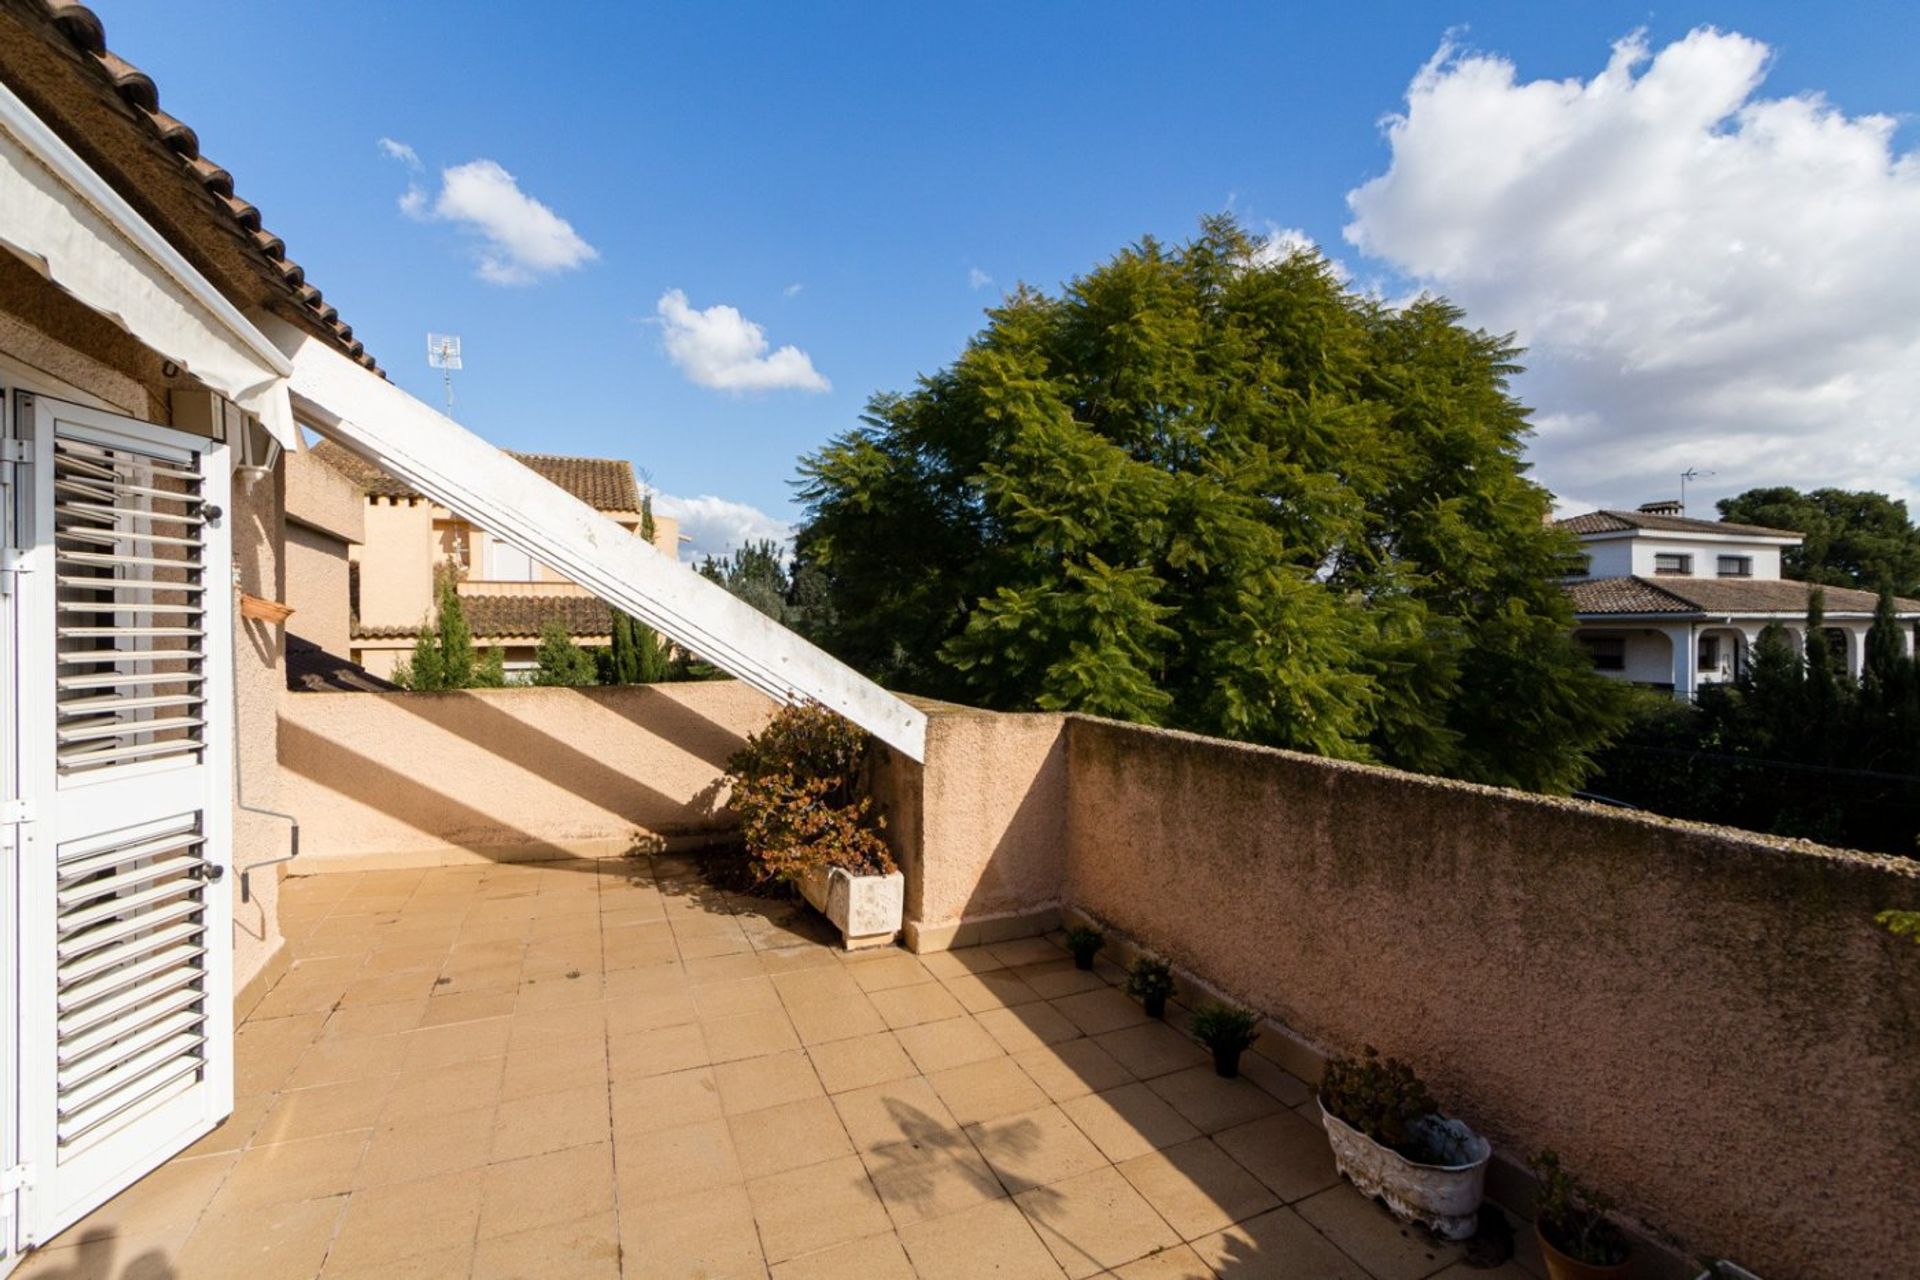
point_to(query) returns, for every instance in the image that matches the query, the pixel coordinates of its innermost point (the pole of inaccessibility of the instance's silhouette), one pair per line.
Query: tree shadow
(95, 1259)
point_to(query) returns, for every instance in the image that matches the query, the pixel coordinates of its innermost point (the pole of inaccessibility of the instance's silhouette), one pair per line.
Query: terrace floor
(598, 1069)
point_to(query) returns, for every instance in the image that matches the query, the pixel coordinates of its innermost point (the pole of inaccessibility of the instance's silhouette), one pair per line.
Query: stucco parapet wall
(1706, 1023)
(323, 499)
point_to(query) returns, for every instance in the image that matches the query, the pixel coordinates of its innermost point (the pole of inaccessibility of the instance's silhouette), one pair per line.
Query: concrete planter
(866, 909)
(1445, 1198)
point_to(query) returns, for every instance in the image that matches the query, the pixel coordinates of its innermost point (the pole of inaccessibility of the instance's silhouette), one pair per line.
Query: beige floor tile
(584, 1021)
(1094, 1221)
(987, 1090)
(339, 1061)
(873, 1258)
(554, 983)
(1053, 979)
(1129, 1121)
(892, 968)
(1101, 1010)
(106, 1257)
(466, 1006)
(743, 995)
(775, 1139)
(349, 1021)
(431, 1216)
(587, 1249)
(794, 959)
(864, 1060)
(331, 1108)
(433, 1047)
(550, 1068)
(1288, 1089)
(662, 1102)
(953, 1042)
(835, 1018)
(1152, 1049)
(1027, 1026)
(815, 1207)
(1025, 951)
(715, 946)
(750, 1084)
(703, 967)
(896, 1111)
(464, 1086)
(960, 961)
(283, 1240)
(937, 1173)
(1072, 1069)
(1367, 1233)
(300, 1170)
(1285, 1152)
(910, 1006)
(406, 1148)
(636, 1055)
(1211, 1103)
(237, 1130)
(551, 1122)
(815, 984)
(1035, 1148)
(1180, 1263)
(994, 1239)
(165, 1203)
(540, 1191)
(707, 1233)
(1275, 1246)
(1198, 1188)
(978, 992)
(658, 1163)
(650, 1010)
(748, 1035)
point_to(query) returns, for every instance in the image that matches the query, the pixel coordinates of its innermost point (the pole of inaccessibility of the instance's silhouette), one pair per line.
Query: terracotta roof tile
(494, 618)
(1620, 521)
(605, 484)
(1697, 596)
(83, 29)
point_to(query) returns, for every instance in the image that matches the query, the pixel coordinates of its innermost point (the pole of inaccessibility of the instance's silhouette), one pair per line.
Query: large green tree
(1216, 489)
(1853, 539)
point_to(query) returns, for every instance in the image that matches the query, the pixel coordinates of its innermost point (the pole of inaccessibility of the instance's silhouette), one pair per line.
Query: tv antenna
(1690, 473)
(443, 353)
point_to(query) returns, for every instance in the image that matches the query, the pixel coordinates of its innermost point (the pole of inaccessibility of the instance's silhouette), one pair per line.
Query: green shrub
(1382, 1098)
(1085, 942)
(559, 661)
(1149, 977)
(795, 785)
(1222, 1027)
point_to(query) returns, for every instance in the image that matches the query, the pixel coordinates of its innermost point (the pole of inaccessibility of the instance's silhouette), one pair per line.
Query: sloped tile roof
(1684, 597)
(83, 30)
(605, 484)
(512, 617)
(1621, 521)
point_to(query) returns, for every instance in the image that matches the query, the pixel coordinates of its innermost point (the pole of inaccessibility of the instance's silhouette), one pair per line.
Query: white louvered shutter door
(124, 737)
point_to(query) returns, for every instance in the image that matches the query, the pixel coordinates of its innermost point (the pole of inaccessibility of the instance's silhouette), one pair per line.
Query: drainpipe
(239, 792)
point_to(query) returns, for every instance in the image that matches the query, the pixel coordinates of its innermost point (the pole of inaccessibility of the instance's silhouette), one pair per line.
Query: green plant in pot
(1228, 1032)
(1390, 1140)
(1085, 943)
(1151, 979)
(1577, 1239)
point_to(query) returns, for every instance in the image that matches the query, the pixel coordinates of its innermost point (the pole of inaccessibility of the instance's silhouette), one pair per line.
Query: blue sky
(844, 176)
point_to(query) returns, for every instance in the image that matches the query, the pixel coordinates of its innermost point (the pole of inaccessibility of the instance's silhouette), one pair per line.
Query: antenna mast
(1691, 473)
(443, 353)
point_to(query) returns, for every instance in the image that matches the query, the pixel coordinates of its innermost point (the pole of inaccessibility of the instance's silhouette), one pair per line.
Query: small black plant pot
(1226, 1062)
(1156, 1006)
(1083, 959)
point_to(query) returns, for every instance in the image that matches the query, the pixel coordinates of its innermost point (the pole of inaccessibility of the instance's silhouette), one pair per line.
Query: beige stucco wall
(1705, 1024)
(317, 589)
(396, 563)
(424, 779)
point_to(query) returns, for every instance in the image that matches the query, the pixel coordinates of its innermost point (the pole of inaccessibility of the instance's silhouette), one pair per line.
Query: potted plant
(1228, 1032)
(1390, 1140)
(1151, 979)
(1085, 943)
(796, 786)
(1577, 1239)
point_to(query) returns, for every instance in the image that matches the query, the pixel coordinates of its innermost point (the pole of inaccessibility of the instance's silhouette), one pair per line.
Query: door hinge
(16, 811)
(18, 1178)
(17, 451)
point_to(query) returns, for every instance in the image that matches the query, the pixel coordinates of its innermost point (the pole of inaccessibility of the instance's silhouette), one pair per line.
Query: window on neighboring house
(1709, 653)
(1609, 653)
(1736, 566)
(1579, 566)
(1673, 562)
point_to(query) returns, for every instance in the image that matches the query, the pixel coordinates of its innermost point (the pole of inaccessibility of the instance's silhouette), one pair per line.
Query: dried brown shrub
(796, 786)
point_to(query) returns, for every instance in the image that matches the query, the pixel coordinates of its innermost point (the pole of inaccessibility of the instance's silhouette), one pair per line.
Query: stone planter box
(866, 909)
(1443, 1197)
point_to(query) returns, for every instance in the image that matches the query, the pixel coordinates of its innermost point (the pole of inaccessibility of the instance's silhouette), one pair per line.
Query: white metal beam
(464, 473)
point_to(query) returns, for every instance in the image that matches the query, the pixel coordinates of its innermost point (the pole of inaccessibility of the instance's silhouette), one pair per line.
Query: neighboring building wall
(317, 589)
(424, 779)
(396, 563)
(1766, 559)
(1648, 653)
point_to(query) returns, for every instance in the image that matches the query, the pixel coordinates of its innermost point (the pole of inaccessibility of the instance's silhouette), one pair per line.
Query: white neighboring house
(1675, 603)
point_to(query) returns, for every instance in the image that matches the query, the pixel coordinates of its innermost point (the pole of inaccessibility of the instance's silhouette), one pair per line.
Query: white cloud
(521, 238)
(722, 349)
(792, 290)
(716, 526)
(399, 151)
(978, 279)
(1705, 276)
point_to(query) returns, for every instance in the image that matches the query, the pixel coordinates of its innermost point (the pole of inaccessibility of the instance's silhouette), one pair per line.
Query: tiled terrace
(597, 1069)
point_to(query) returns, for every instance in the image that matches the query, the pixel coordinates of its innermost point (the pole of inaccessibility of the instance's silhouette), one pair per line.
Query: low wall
(1706, 1024)
(427, 779)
